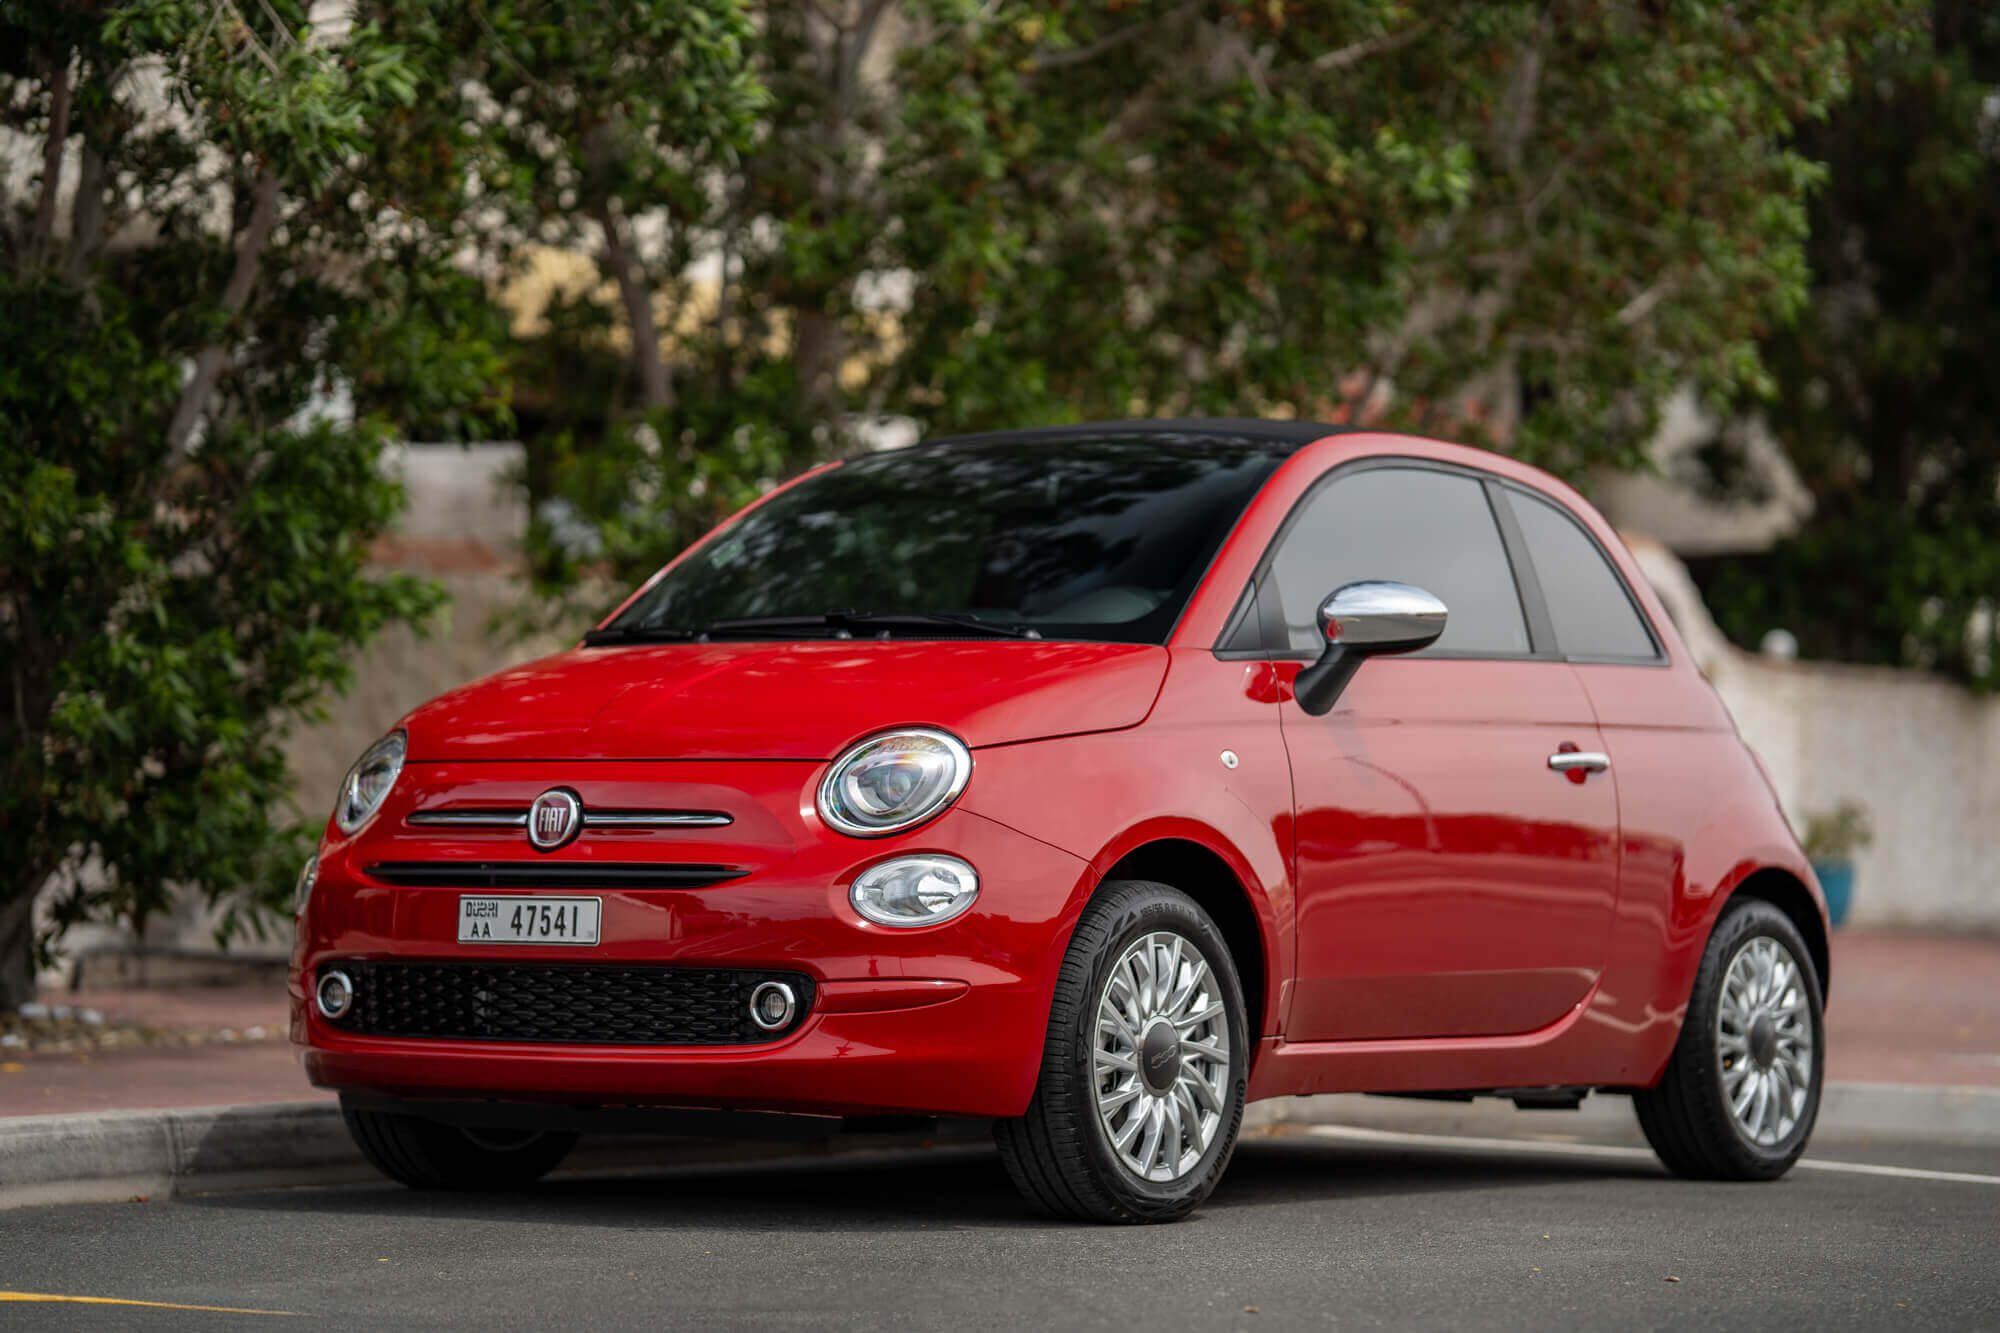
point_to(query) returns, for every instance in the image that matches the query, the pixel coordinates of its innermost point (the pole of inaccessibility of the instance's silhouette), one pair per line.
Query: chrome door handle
(1568, 761)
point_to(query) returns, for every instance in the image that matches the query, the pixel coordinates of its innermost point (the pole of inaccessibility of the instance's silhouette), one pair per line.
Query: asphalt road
(1354, 1228)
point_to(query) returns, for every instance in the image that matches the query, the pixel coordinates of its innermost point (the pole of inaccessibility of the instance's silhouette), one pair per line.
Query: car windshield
(1098, 538)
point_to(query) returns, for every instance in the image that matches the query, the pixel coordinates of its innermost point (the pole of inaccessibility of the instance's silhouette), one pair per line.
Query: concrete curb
(116, 1155)
(113, 1156)
(1846, 1111)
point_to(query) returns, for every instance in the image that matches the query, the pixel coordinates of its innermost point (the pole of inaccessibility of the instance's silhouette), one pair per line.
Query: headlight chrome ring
(892, 781)
(925, 889)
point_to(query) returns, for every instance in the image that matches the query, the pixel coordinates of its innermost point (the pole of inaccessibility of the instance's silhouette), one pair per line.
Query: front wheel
(1741, 1091)
(426, 1155)
(1145, 1066)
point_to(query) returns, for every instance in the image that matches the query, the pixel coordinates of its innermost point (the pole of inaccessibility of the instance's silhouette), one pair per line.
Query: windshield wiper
(597, 638)
(864, 620)
(967, 620)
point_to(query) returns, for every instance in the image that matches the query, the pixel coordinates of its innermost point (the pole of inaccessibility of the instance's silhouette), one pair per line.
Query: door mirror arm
(1360, 621)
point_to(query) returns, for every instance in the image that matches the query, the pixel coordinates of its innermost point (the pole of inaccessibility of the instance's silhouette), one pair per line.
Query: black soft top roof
(1278, 436)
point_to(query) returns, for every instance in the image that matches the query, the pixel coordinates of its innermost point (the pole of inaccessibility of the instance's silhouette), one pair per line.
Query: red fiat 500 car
(1098, 780)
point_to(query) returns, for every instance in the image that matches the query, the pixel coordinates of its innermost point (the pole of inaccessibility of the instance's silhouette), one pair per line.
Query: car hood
(785, 700)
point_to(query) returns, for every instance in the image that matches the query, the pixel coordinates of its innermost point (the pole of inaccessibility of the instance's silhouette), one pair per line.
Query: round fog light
(772, 1005)
(336, 994)
(914, 890)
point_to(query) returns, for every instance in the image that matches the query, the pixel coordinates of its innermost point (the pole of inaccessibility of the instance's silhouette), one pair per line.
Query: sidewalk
(211, 1046)
(1914, 1009)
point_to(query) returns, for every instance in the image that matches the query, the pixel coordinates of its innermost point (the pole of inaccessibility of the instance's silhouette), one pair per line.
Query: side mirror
(1363, 620)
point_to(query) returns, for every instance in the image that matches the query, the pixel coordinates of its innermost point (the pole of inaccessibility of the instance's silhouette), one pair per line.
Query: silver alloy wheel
(1160, 1064)
(1764, 1041)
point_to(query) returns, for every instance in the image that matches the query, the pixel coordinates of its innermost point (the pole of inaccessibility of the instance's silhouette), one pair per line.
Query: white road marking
(1357, 1134)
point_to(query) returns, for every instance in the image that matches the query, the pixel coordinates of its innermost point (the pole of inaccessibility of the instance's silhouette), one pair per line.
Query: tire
(1062, 1154)
(1690, 1117)
(426, 1155)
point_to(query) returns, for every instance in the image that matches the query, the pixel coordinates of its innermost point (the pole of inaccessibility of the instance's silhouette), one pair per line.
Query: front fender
(1103, 797)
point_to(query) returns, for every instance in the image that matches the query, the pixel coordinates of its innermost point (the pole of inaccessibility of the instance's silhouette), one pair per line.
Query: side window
(1592, 614)
(1411, 525)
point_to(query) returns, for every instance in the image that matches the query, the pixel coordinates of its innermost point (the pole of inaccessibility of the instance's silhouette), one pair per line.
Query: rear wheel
(426, 1155)
(1741, 1092)
(1145, 1066)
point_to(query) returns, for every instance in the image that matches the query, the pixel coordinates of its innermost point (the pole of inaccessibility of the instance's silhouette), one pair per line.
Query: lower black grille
(552, 874)
(582, 1004)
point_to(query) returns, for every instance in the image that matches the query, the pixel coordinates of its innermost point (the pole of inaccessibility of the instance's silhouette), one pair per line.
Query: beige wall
(1921, 754)
(463, 529)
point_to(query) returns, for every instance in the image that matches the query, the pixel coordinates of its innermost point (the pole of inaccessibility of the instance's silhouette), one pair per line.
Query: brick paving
(1914, 1008)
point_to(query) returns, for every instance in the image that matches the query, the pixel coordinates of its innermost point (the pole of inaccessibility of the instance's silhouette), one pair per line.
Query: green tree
(1521, 224)
(182, 543)
(594, 117)
(1535, 221)
(1888, 405)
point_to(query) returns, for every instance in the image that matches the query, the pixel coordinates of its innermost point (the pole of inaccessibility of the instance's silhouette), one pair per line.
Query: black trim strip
(1527, 583)
(552, 875)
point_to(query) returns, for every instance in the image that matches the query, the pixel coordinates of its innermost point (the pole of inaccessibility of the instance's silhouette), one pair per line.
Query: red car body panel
(1450, 885)
(783, 700)
(1425, 905)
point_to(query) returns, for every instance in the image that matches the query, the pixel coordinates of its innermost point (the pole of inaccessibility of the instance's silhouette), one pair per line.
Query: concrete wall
(1920, 754)
(463, 529)
(1667, 504)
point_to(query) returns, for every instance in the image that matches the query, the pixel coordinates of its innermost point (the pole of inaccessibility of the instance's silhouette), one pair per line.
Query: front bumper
(943, 1020)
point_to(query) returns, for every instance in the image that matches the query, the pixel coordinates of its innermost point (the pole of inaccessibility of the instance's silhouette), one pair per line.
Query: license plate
(511, 920)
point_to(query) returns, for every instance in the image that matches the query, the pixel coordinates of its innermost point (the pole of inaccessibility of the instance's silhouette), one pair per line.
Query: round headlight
(914, 890)
(366, 785)
(894, 781)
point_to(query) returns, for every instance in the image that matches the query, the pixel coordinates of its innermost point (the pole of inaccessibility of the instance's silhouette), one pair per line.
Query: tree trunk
(656, 389)
(17, 951)
(242, 279)
(86, 218)
(52, 157)
(818, 349)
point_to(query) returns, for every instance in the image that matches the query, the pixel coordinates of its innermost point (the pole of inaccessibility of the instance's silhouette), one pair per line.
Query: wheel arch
(1205, 875)
(1789, 894)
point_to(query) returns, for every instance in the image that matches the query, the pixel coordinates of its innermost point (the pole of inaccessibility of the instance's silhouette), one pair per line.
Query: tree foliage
(1520, 224)
(1888, 405)
(204, 245)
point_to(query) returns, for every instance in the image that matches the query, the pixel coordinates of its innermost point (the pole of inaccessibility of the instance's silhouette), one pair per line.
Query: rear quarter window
(1593, 614)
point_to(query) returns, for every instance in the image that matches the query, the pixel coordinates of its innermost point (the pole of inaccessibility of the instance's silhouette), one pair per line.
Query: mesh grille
(591, 1005)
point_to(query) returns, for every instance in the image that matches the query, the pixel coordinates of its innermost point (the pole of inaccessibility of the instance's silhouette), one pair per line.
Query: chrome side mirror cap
(1363, 620)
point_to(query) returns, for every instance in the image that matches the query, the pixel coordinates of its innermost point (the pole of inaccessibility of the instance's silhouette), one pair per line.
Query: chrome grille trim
(470, 818)
(655, 819)
(513, 818)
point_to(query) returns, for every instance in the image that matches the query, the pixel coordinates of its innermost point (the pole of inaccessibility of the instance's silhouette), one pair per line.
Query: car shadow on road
(945, 1186)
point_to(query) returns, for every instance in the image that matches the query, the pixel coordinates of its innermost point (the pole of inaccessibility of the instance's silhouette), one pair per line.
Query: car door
(1450, 881)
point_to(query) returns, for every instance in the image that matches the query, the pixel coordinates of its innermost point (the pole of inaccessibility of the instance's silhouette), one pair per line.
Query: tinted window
(1410, 525)
(1592, 614)
(1089, 538)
